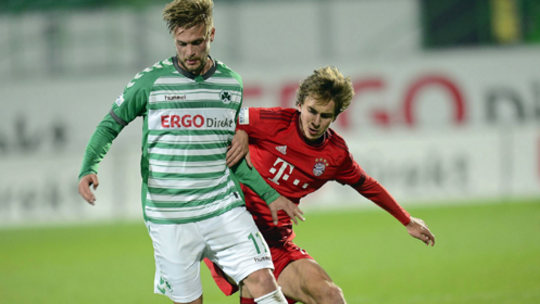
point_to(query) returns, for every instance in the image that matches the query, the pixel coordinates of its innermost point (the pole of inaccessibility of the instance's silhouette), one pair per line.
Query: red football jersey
(295, 167)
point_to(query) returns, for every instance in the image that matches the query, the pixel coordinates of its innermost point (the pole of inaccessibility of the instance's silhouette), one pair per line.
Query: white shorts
(231, 240)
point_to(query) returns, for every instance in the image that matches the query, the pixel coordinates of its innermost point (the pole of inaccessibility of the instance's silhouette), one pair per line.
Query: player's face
(315, 117)
(193, 47)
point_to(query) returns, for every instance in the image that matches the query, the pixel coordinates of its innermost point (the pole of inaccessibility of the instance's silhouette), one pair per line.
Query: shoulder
(267, 120)
(335, 140)
(223, 71)
(284, 115)
(148, 76)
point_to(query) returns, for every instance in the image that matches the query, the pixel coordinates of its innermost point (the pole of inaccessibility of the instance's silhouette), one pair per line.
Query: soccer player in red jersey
(297, 153)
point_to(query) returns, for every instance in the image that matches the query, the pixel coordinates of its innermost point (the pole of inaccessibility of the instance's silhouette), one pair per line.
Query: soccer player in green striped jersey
(191, 199)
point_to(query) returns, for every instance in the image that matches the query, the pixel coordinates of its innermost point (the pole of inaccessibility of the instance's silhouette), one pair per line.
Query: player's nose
(190, 50)
(317, 120)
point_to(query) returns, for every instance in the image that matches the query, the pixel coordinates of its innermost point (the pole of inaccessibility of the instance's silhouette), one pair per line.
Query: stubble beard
(195, 71)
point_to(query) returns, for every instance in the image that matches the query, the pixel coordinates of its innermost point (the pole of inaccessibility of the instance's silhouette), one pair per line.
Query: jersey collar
(190, 75)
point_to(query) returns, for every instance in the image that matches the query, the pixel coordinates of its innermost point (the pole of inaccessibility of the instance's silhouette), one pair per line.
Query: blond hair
(188, 13)
(325, 84)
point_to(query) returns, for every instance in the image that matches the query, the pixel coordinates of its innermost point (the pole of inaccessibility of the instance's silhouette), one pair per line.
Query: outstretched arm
(97, 147)
(374, 191)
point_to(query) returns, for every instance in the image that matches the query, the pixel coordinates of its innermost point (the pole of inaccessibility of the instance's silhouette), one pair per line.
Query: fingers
(248, 160)
(84, 187)
(274, 215)
(292, 216)
(290, 208)
(294, 213)
(238, 148)
(426, 238)
(426, 235)
(234, 155)
(86, 193)
(429, 238)
(297, 213)
(418, 229)
(95, 181)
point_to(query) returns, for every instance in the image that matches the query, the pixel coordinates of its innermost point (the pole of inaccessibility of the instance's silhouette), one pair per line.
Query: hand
(282, 203)
(238, 149)
(418, 229)
(84, 187)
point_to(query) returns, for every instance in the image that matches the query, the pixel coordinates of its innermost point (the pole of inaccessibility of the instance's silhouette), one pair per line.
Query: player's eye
(326, 115)
(197, 42)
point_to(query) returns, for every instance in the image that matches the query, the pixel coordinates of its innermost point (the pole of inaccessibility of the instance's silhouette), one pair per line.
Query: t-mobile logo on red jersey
(282, 170)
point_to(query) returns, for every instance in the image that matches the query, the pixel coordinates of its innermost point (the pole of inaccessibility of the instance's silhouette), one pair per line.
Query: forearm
(375, 192)
(251, 178)
(99, 144)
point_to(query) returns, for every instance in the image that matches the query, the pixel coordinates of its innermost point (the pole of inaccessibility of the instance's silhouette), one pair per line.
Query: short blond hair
(188, 13)
(325, 84)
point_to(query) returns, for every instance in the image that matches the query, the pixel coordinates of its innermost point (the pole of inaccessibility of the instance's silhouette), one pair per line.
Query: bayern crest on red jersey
(320, 166)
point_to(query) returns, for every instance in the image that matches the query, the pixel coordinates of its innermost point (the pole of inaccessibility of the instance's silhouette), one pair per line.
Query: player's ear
(212, 34)
(299, 105)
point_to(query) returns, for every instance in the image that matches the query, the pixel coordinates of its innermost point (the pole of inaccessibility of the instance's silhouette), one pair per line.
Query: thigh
(301, 279)
(283, 256)
(177, 252)
(236, 245)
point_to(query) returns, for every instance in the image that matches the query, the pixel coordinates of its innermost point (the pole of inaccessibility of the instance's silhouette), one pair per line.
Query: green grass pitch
(485, 253)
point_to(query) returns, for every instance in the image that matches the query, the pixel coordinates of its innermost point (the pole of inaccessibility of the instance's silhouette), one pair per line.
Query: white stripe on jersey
(191, 139)
(188, 170)
(158, 162)
(188, 197)
(216, 80)
(190, 212)
(187, 152)
(187, 184)
(173, 80)
(192, 95)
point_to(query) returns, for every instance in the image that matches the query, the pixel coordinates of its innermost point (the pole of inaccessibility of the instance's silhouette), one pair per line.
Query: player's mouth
(191, 61)
(313, 132)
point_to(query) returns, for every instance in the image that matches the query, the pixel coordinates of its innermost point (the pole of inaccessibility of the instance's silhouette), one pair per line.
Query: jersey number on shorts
(258, 242)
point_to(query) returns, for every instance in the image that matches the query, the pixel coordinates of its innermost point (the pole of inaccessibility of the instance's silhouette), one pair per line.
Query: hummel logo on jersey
(175, 97)
(282, 149)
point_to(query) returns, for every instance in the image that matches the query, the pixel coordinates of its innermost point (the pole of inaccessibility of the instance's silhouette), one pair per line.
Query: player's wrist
(271, 197)
(407, 221)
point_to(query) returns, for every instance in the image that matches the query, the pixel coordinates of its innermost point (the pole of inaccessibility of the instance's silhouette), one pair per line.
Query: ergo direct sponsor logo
(196, 121)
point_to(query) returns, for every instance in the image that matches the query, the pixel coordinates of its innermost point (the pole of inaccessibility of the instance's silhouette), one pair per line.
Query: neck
(207, 65)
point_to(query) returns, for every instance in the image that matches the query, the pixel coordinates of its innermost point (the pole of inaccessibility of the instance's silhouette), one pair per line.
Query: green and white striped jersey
(188, 123)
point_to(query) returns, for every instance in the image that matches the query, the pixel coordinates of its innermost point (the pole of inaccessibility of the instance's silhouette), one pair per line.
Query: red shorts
(281, 257)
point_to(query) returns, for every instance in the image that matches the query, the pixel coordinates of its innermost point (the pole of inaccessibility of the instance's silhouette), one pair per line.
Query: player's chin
(194, 68)
(312, 138)
(313, 135)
